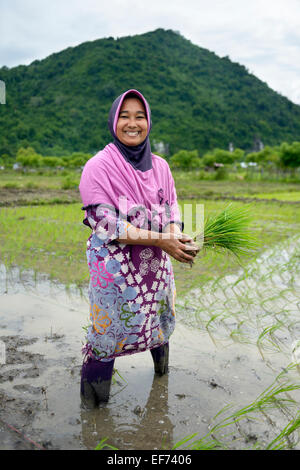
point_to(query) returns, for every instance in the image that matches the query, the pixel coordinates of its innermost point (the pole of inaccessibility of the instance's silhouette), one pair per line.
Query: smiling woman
(130, 201)
(130, 114)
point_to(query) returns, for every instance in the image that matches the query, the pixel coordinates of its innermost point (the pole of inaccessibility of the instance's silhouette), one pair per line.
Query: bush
(11, 186)
(28, 157)
(221, 174)
(69, 183)
(266, 157)
(52, 162)
(185, 160)
(31, 185)
(222, 156)
(77, 160)
(209, 160)
(205, 175)
(290, 154)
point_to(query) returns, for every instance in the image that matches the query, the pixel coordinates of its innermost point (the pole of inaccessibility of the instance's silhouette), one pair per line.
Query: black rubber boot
(160, 358)
(95, 382)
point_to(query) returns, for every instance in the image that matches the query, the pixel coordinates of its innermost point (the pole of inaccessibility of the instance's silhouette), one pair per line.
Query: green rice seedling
(238, 335)
(186, 439)
(104, 446)
(279, 442)
(229, 230)
(268, 335)
(212, 319)
(115, 371)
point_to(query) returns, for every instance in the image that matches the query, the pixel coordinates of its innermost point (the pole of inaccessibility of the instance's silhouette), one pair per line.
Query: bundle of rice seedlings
(227, 230)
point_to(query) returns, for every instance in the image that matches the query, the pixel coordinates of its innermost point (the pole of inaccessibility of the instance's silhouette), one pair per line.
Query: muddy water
(41, 327)
(260, 305)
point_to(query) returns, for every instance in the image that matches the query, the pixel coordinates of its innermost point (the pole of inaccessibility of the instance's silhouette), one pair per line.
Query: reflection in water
(148, 428)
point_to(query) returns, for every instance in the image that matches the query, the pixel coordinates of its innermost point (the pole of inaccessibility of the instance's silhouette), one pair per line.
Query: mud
(41, 327)
(19, 197)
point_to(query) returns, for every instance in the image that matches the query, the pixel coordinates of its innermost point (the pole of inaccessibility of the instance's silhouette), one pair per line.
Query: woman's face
(132, 124)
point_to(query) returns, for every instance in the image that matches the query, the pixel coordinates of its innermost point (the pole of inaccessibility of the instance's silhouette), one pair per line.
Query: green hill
(199, 101)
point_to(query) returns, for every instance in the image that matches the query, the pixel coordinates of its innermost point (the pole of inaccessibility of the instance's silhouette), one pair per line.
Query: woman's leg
(95, 382)
(160, 358)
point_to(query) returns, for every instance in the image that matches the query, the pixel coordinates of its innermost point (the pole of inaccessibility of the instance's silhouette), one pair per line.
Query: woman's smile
(132, 134)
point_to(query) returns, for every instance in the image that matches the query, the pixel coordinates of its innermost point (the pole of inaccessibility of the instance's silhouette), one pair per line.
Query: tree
(185, 160)
(209, 159)
(222, 156)
(268, 155)
(290, 154)
(238, 155)
(28, 157)
(78, 159)
(52, 162)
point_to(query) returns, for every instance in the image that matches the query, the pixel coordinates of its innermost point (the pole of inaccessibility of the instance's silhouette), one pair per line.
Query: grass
(52, 239)
(271, 224)
(188, 184)
(292, 196)
(39, 179)
(49, 239)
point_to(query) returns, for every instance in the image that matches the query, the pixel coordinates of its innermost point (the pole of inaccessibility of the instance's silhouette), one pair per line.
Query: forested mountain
(198, 100)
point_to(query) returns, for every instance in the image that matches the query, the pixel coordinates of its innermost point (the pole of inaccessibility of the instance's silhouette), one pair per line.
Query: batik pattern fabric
(131, 292)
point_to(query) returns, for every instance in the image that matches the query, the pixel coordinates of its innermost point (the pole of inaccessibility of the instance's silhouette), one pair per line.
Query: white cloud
(263, 35)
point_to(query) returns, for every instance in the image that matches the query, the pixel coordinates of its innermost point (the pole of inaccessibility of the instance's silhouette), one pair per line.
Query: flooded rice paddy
(233, 379)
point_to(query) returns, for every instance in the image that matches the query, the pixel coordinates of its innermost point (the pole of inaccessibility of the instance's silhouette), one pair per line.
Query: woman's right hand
(174, 245)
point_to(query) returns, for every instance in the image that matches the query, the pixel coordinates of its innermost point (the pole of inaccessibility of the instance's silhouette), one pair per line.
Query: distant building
(231, 147)
(247, 164)
(257, 145)
(2, 92)
(161, 147)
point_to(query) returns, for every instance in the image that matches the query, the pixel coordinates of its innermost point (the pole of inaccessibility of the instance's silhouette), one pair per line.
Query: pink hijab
(109, 179)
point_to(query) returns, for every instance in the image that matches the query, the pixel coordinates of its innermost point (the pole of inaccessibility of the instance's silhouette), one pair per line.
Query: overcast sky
(263, 35)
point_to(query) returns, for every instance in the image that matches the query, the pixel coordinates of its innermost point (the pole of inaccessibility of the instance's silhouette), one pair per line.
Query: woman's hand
(174, 245)
(179, 245)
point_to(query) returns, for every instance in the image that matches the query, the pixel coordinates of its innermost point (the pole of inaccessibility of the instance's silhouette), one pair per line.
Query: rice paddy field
(237, 384)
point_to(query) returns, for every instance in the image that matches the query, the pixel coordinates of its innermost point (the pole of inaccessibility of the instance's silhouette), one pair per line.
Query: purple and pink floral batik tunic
(132, 296)
(132, 289)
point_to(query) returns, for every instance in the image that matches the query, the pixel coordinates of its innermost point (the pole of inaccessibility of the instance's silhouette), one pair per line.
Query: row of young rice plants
(52, 238)
(40, 179)
(258, 305)
(226, 428)
(241, 304)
